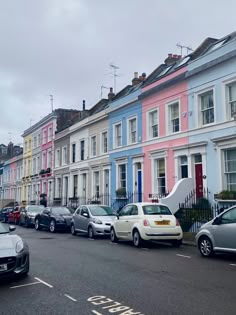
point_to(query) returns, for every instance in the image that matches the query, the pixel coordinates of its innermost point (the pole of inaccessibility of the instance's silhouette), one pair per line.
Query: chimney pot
(136, 75)
(169, 55)
(111, 94)
(83, 104)
(175, 56)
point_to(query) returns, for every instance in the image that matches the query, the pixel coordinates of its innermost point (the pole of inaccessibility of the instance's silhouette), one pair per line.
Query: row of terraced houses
(164, 135)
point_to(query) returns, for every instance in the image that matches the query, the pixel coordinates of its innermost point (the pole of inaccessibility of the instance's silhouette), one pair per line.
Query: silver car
(93, 220)
(219, 234)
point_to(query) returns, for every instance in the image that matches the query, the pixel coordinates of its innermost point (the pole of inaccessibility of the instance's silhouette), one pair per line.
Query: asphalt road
(75, 275)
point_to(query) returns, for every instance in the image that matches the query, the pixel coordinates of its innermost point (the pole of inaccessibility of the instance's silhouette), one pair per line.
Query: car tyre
(176, 243)
(52, 226)
(114, 238)
(37, 225)
(90, 232)
(205, 246)
(137, 240)
(72, 229)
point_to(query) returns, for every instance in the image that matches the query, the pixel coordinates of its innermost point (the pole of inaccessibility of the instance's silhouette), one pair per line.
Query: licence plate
(164, 222)
(3, 267)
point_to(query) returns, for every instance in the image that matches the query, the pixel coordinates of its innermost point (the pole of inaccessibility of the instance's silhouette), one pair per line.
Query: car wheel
(176, 243)
(37, 225)
(137, 240)
(52, 226)
(90, 232)
(72, 229)
(205, 246)
(114, 238)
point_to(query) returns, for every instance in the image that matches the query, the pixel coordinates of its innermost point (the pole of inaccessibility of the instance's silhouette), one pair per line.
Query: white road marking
(183, 256)
(24, 285)
(43, 282)
(234, 265)
(95, 312)
(70, 297)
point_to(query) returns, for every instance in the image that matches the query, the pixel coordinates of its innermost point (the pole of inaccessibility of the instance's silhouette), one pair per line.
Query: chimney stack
(171, 59)
(83, 104)
(111, 94)
(137, 79)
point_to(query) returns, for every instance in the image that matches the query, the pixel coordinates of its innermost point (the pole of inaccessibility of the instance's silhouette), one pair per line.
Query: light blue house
(211, 152)
(125, 144)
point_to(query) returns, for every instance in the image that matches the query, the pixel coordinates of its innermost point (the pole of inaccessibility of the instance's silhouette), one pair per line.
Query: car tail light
(146, 222)
(177, 223)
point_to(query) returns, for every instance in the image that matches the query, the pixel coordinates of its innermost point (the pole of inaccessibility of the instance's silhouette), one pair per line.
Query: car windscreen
(3, 230)
(34, 208)
(61, 210)
(156, 209)
(101, 211)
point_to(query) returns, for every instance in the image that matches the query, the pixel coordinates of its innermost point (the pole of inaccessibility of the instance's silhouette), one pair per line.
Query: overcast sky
(65, 48)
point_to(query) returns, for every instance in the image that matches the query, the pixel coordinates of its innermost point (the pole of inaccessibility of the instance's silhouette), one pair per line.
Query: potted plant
(121, 192)
(226, 195)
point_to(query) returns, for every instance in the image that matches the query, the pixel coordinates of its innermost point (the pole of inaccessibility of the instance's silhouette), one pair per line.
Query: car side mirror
(12, 228)
(118, 216)
(217, 221)
(85, 214)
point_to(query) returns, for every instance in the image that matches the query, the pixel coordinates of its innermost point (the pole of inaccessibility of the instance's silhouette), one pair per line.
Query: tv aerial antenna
(114, 74)
(188, 49)
(102, 88)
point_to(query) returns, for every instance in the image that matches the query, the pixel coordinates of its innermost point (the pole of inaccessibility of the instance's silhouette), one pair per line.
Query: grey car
(93, 220)
(14, 253)
(219, 234)
(27, 215)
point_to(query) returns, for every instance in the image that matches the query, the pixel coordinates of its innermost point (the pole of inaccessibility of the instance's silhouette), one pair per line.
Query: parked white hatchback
(146, 221)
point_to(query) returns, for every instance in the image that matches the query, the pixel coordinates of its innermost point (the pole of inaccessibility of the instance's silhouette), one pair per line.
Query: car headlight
(97, 221)
(19, 246)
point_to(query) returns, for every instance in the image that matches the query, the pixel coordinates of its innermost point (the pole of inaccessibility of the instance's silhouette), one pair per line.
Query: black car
(5, 213)
(14, 253)
(27, 215)
(54, 218)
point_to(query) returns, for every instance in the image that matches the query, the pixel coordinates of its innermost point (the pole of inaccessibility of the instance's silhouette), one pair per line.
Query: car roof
(146, 204)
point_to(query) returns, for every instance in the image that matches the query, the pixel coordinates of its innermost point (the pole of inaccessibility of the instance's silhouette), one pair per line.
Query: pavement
(189, 239)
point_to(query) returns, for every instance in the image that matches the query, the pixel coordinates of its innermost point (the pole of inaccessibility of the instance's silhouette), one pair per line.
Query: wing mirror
(85, 214)
(217, 221)
(12, 228)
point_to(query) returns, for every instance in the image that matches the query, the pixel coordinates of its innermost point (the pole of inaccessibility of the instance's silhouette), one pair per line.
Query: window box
(42, 172)
(226, 195)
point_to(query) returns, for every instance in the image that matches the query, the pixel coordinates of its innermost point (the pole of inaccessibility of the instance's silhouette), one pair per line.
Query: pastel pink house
(165, 125)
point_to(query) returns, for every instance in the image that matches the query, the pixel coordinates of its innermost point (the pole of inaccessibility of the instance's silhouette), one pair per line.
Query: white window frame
(57, 158)
(129, 131)
(200, 94)
(44, 136)
(49, 134)
(229, 111)
(64, 155)
(103, 151)
(49, 158)
(73, 145)
(96, 183)
(169, 122)
(93, 145)
(118, 179)
(149, 126)
(115, 139)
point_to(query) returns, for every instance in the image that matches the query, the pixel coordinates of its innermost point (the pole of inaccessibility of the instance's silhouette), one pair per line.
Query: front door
(199, 181)
(139, 185)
